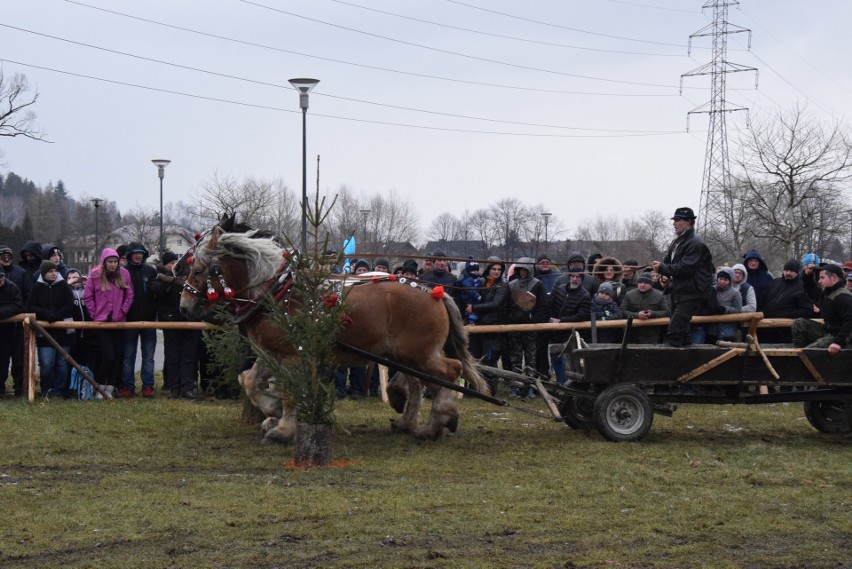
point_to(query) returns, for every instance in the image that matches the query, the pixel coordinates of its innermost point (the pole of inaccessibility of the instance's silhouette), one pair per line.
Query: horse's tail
(456, 347)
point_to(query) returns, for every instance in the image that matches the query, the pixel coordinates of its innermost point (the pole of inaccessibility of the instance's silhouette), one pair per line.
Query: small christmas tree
(310, 317)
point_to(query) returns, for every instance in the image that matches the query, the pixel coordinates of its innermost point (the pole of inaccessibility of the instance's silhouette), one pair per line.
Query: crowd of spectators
(122, 287)
(684, 283)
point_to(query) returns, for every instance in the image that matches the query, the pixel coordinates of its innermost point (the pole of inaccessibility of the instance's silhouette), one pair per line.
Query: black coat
(494, 306)
(569, 305)
(786, 299)
(168, 298)
(53, 302)
(835, 308)
(144, 307)
(690, 266)
(11, 304)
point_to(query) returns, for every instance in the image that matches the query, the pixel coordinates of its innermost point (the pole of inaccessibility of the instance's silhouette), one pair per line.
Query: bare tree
(12, 209)
(651, 228)
(16, 118)
(795, 170)
(143, 225)
(260, 203)
(443, 228)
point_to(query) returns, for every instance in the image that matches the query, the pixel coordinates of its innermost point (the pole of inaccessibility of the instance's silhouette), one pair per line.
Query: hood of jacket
(527, 263)
(575, 256)
(35, 248)
(136, 247)
(603, 263)
(107, 253)
(755, 254)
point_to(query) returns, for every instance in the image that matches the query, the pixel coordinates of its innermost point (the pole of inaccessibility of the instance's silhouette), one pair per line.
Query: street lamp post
(304, 87)
(546, 216)
(364, 214)
(161, 169)
(97, 203)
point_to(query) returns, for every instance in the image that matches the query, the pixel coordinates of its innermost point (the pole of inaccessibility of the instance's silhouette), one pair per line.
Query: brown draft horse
(399, 320)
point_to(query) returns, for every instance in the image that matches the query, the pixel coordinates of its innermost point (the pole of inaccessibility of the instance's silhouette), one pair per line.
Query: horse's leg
(445, 410)
(398, 392)
(281, 432)
(444, 413)
(407, 422)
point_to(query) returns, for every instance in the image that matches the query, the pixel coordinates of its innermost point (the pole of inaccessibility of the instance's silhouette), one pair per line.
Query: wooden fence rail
(751, 320)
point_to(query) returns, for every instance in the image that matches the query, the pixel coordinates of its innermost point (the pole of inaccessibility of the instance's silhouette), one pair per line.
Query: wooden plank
(732, 353)
(753, 341)
(810, 366)
(548, 400)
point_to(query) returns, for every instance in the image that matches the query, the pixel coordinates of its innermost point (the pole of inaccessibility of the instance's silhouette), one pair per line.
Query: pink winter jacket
(115, 301)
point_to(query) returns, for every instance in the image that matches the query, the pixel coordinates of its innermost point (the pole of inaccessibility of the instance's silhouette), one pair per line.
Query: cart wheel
(830, 417)
(578, 412)
(623, 413)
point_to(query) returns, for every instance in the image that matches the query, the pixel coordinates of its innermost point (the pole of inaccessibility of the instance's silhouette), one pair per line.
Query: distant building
(80, 253)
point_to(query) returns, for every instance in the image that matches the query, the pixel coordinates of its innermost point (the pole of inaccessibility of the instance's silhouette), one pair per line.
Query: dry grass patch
(173, 484)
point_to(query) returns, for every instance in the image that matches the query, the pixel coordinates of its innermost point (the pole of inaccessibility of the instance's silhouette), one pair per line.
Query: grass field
(172, 484)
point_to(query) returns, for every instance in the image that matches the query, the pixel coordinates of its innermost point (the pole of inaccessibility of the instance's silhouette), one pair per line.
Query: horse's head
(226, 265)
(195, 268)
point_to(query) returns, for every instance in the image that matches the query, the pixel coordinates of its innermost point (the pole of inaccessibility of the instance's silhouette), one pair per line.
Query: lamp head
(303, 86)
(161, 166)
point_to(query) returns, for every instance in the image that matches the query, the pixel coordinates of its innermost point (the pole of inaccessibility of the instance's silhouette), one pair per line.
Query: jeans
(148, 339)
(559, 368)
(54, 372)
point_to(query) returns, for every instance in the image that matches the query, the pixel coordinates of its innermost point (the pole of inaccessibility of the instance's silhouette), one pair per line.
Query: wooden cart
(618, 389)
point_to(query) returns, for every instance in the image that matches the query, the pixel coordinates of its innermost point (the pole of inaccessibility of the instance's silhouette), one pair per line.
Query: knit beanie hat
(383, 261)
(792, 265)
(645, 278)
(47, 266)
(607, 288)
(168, 257)
(361, 263)
(541, 257)
(409, 266)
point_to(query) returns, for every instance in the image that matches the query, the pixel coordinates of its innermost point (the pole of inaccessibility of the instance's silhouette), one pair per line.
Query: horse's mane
(262, 254)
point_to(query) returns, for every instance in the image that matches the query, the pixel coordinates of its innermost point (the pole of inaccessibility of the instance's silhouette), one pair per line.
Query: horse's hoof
(397, 428)
(274, 437)
(453, 424)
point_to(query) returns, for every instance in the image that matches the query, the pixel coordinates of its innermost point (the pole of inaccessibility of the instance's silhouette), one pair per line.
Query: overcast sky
(573, 104)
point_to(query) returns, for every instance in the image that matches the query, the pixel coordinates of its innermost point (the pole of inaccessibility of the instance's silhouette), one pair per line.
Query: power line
(570, 29)
(450, 52)
(365, 66)
(665, 8)
(501, 36)
(337, 117)
(288, 87)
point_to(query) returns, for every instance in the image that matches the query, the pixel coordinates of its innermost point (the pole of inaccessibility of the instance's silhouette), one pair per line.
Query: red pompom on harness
(331, 300)
(212, 295)
(438, 292)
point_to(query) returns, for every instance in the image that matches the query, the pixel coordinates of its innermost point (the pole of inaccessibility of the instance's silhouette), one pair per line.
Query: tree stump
(313, 444)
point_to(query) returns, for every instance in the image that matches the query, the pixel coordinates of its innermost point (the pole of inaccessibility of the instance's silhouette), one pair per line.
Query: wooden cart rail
(751, 320)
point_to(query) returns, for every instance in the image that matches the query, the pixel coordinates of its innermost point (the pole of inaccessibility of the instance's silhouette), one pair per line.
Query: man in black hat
(689, 265)
(835, 308)
(11, 304)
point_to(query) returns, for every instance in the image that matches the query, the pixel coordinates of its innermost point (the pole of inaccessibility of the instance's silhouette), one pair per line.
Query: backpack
(79, 387)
